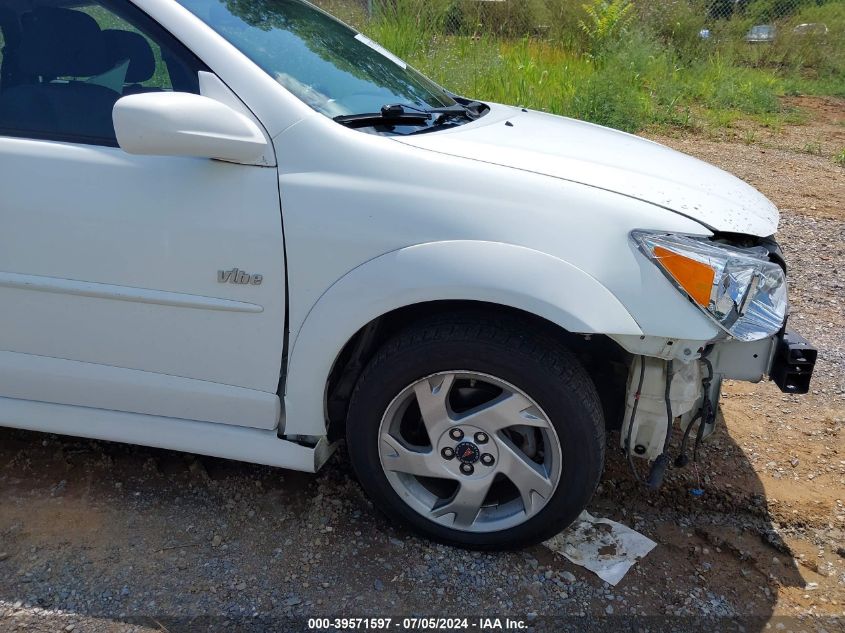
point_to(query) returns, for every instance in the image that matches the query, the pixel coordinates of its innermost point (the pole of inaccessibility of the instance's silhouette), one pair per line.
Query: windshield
(325, 63)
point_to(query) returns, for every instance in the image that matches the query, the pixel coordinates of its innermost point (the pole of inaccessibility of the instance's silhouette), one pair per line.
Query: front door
(127, 282)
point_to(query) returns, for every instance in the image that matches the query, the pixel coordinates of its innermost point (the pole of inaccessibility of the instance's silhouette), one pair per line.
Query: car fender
(492, 272)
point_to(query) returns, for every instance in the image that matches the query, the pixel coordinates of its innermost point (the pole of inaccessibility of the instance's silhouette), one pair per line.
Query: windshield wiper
(445, 113)
(475, 109)
(389, 115)
(399, 114)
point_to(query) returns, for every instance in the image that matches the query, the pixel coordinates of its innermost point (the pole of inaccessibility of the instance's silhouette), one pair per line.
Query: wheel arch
(366, 305)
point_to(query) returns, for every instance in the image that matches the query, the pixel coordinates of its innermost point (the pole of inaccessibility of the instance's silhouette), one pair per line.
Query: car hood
(611, 160)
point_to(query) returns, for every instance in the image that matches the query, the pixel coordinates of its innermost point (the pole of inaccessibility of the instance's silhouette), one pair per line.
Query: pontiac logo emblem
(467, 453)
(236, 276)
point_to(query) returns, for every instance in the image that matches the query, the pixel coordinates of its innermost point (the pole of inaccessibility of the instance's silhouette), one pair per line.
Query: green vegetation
(606, 23)
(839, 159)
(623, 63)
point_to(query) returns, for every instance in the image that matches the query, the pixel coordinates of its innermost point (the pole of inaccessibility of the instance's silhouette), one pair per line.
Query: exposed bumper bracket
(793, 364)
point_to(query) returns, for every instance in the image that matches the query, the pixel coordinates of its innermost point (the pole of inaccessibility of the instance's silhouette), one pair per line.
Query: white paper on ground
(605, 547)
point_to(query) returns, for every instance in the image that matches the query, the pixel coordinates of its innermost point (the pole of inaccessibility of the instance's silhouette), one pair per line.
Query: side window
(64, 68)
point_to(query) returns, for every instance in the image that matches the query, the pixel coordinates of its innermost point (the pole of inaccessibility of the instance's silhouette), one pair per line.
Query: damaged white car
(243, 229)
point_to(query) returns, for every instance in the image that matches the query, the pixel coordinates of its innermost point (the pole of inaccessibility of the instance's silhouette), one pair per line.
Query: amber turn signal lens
(693, 276)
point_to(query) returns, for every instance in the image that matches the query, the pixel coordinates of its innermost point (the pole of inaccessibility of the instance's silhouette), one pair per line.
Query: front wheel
(476, 433)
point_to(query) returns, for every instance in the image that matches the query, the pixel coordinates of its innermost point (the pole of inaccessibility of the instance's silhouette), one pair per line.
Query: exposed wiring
(682, 460)
(658, 468)
(670, 418)
(698, 491)
(704, 416)
(631, 422)
(708, 412)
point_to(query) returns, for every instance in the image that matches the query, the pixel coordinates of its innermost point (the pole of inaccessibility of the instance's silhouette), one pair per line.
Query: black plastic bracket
(795, 359)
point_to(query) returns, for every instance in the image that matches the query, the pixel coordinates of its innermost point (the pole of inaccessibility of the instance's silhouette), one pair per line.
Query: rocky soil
(104, 537)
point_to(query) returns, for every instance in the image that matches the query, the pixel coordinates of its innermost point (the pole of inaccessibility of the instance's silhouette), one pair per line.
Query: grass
(641, 69)
(839, 159)
(627, 88)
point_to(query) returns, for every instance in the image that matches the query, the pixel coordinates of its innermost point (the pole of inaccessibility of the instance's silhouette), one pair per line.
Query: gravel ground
(105, 537)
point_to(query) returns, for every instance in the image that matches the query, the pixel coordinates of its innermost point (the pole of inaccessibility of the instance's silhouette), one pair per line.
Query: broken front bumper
(787, 358)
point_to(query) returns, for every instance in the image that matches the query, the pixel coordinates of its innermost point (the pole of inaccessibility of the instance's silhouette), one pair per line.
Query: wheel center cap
(467, 453)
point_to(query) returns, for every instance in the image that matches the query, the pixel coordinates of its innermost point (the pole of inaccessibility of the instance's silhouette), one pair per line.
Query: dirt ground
(105, 537)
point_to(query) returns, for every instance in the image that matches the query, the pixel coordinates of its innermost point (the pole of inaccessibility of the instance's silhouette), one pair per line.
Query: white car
(242, 229)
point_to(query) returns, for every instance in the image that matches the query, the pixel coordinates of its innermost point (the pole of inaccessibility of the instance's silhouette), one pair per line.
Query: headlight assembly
(739, 288)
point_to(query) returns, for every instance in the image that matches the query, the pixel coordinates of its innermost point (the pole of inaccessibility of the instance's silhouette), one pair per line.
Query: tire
(495, 369)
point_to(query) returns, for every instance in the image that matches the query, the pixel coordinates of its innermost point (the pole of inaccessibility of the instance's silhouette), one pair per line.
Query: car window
(68, 66)
(108, 21)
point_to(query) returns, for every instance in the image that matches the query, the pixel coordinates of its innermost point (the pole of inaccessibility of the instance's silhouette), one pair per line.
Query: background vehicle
(761, 33)
(815, 29)
(248, 231)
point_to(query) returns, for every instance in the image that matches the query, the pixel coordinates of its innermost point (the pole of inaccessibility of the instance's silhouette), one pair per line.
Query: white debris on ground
(605, 547)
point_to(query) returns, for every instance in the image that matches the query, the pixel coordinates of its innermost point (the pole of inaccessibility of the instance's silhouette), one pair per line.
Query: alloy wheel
(469, 451)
